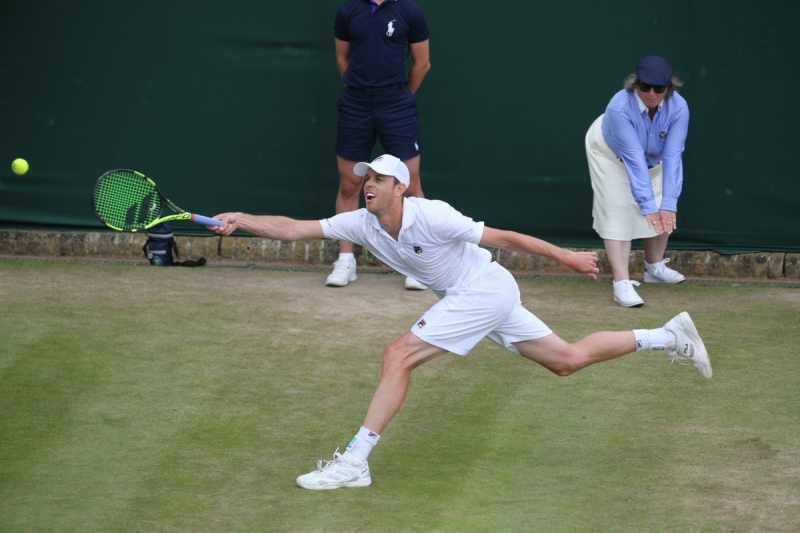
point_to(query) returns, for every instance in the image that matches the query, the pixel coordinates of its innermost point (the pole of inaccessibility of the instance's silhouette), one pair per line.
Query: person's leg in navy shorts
(365, 115)
(356, 135)
(397, 123)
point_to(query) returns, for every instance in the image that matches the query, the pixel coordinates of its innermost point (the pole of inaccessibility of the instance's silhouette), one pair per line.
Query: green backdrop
(232, 106)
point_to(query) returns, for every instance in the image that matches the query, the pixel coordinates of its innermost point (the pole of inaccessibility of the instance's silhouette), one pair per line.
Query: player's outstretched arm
(272, 227)
(583, 262)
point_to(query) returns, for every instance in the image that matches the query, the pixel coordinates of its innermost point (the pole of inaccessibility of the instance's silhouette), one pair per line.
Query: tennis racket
(126, 200)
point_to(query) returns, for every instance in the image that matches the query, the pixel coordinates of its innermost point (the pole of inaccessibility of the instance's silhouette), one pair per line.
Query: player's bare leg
(564, 358)
(351, 469)
(399, 359)
(678, 337)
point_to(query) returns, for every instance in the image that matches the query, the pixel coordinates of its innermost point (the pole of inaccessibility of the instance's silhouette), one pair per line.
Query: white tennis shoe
(661, 273)
(344, 271)
(625, 293)
(335, 474)
(689, 349)
(414, 285)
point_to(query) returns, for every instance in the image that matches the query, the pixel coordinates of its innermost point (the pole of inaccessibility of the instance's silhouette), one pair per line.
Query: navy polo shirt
(379, 41)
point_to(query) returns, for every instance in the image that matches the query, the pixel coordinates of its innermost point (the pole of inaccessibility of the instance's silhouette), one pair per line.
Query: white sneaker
(414, 285)
(661, 273)
(335, 474)
(625, 294)
(344, 271)
(690, 349)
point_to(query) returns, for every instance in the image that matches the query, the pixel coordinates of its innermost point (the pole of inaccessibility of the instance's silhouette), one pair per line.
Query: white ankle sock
(654, 339)
(351, 255)
(359, 448)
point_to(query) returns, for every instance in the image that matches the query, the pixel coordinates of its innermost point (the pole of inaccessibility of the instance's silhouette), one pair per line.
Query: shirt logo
(417, 249)
(390, 29)
(421, 323)
(662, 135)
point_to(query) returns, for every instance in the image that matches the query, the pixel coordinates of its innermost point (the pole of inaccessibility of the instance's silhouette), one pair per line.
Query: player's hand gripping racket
(126, 200)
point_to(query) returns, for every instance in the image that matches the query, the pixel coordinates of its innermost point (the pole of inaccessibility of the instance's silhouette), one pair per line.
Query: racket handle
(200, 219)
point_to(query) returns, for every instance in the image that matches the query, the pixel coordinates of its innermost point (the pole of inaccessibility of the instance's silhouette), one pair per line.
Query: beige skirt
(616, 214)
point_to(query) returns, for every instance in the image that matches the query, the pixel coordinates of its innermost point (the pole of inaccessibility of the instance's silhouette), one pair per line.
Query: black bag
(160, 245)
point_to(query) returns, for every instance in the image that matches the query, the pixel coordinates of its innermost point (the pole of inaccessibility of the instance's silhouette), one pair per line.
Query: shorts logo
(417, 249)
(421, 324)
(390, 29)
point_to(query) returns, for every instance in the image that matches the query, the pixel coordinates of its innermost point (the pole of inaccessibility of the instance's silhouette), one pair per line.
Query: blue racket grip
(200, 219)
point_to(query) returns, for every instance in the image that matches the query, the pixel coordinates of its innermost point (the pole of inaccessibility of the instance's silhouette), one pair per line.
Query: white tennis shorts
(616, 214)
(490, 307)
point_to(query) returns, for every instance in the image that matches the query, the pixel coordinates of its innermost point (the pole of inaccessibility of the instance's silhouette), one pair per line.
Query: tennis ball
(19, 166)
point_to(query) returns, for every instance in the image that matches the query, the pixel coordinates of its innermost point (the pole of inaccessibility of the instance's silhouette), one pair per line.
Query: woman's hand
(654, 222)
(669, 220)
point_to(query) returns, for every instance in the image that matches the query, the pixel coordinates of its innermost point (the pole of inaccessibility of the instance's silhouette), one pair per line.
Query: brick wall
(115, 246)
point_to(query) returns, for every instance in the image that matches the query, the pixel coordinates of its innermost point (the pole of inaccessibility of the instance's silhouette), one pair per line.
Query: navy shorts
(389, 114)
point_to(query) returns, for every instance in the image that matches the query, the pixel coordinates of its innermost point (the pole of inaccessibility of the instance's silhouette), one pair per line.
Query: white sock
(359, 448)
(654, 339)
(351, 255)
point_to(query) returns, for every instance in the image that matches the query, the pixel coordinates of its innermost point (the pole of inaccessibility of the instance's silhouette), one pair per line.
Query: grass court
(142, 399)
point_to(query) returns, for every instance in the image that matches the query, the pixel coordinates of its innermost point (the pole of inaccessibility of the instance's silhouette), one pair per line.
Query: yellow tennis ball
(19, 166)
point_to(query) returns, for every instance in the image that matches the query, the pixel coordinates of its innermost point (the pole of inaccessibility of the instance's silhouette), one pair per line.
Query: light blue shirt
(641, 143)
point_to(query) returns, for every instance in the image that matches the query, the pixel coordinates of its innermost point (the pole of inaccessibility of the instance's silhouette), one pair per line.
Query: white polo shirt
(437, 245)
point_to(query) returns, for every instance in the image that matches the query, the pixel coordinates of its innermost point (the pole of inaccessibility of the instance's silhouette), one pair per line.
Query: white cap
(387, 165)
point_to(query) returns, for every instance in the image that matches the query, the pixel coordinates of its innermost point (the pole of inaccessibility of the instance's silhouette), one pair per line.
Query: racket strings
(126, 200)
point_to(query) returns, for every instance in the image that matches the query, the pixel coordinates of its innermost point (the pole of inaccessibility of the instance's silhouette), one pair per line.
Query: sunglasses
(645, 87)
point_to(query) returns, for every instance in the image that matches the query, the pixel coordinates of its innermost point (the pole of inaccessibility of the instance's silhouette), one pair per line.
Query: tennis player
(434, 243)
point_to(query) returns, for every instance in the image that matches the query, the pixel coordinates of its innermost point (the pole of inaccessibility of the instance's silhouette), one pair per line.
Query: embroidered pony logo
(390, 29)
